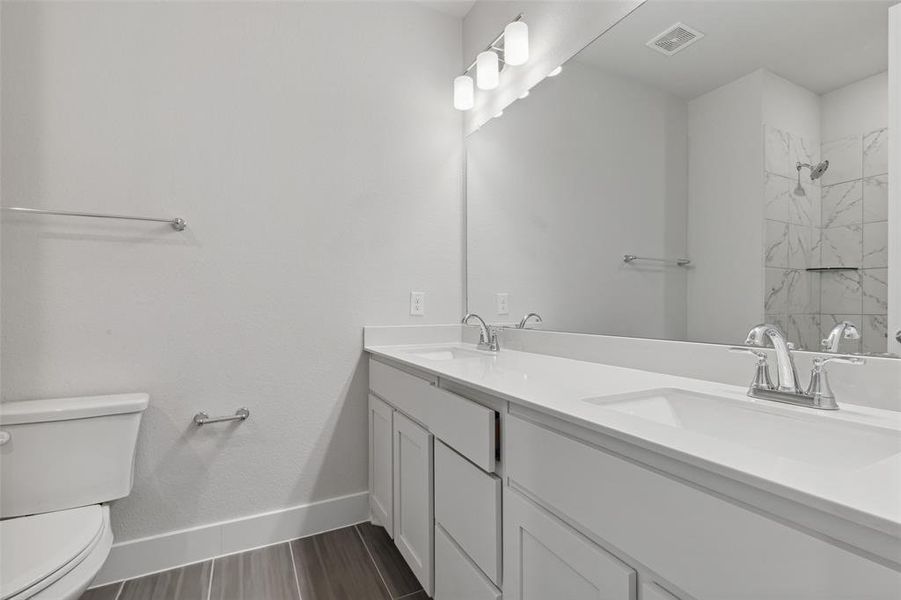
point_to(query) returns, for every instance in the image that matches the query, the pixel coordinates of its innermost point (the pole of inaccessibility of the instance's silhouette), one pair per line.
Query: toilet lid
(35, 547)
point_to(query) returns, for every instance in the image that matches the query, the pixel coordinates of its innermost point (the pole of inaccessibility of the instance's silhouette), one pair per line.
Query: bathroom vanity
(518, 475)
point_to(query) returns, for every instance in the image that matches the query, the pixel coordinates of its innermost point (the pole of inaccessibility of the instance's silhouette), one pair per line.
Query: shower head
(816, 171)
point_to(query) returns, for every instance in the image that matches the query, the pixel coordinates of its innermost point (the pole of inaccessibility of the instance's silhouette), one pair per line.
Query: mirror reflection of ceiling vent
(675, 38)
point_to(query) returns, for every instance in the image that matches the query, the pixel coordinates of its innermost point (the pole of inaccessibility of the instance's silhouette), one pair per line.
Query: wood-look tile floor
(353, 563)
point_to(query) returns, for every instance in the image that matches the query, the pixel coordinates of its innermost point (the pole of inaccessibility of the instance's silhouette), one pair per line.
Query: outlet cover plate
(417, 304)
(503, 303)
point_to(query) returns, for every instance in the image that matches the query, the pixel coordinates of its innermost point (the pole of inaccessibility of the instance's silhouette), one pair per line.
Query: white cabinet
(468, 507)
(405, 410)
(564, 490)
(381, 463)
(704, 545)
(466, 426)
(413, 507)
(403, 391)
(456, 577)
(545, 558)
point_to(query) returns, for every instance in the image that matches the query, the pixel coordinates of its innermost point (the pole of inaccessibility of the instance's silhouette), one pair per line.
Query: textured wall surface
(315, 153)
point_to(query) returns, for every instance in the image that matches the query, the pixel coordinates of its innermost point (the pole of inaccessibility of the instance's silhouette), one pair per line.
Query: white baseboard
(143, 556)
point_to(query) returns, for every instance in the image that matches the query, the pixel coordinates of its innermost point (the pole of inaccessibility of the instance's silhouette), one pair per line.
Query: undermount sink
(790, 434)
(449, 353)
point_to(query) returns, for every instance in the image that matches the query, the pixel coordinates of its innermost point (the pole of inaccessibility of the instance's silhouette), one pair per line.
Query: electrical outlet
(417, 304)
(503, 304)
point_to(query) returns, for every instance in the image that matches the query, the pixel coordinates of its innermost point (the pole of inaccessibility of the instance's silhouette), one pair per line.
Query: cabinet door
(456, 577)
(381, 471)
(413, 515)
(545, 558)
(468, 507)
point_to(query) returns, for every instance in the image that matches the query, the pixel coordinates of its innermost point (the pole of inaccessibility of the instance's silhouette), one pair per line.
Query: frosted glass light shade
(463, 93)
(487, 73)
(516, 43)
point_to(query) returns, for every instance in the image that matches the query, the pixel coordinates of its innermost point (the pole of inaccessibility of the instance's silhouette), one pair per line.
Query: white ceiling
(818, 44)
(455, 8)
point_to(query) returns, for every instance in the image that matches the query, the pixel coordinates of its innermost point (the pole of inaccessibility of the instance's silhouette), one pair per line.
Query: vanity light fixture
(510, 47)
(516, 43)
(556, 71)
(524, 95)
(487, 70)
(464, 95)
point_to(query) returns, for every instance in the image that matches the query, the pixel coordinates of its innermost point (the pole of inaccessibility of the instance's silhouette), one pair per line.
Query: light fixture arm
(493, 47)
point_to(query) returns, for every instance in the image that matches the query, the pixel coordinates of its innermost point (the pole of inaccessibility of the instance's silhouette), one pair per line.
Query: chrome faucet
(787, 389)
(846, 330)
(488, 339)
(786, 372)
(525, 320)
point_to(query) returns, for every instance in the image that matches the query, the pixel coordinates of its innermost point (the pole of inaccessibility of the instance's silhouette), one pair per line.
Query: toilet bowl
(53, 556)
(61, 462)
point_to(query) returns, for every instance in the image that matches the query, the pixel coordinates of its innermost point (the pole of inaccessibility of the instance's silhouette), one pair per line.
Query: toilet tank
(67, 452)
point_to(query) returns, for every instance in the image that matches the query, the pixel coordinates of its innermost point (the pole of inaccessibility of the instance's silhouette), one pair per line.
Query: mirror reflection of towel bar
(202, 418)
(679, 262)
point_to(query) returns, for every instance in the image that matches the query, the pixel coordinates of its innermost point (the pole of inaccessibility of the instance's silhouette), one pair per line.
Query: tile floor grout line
(119, 591)
(209, 587)
(372, 560)
(294, 566)
(409, 595)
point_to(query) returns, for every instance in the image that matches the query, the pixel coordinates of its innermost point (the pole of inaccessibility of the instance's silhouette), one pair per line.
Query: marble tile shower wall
(839, 221)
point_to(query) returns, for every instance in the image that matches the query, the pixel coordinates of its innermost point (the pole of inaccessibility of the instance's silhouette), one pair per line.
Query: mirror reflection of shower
(815, 173)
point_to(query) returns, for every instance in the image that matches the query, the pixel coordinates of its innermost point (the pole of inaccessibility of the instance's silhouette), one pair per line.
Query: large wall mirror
(737, 151)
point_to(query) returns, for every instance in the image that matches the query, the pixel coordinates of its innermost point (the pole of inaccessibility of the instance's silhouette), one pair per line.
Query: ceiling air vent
(675, 38)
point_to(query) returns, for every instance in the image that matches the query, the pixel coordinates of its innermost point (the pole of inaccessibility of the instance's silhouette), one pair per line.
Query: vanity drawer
(466, 426)
(408, 393)
(468, 506)
(456, 578)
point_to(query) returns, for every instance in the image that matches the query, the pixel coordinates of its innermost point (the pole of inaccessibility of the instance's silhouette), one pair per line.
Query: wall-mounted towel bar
(178, 224)
(202, 418)
(679, 262)
(829, 269)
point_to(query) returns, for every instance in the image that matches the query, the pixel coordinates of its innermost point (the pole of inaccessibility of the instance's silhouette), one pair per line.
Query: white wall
(557, 31)
(859, 107)
(725, 212)
(315, 153)
(790, 107)
(588, 168)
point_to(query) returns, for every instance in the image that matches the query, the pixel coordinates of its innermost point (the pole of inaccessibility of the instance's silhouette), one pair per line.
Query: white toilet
(60, 462)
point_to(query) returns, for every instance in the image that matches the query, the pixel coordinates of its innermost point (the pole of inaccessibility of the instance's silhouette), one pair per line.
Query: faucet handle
(819, 389)
(819, 361)
(760, 354)
(762, 379)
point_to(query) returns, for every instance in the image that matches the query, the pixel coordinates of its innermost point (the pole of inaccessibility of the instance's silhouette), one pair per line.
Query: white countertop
(867, 493)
